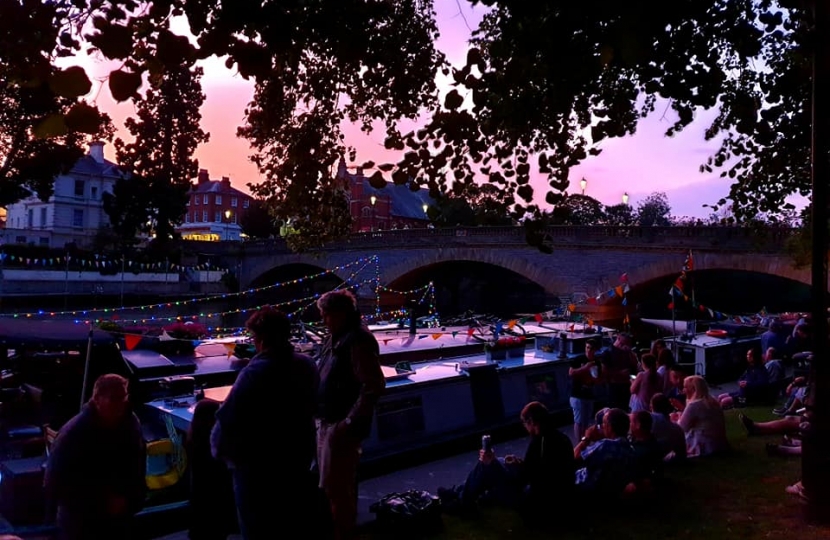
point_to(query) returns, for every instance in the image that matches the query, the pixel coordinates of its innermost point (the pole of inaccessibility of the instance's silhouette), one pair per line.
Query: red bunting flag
(538, 317)
(471, 331)
(131, 340)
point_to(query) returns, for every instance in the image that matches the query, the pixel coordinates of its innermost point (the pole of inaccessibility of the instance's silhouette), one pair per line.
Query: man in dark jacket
(351, 382)
(264, 432)
(95, 474)
(533, 485)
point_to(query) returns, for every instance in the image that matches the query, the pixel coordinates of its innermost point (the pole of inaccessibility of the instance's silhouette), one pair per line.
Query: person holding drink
(529, 484)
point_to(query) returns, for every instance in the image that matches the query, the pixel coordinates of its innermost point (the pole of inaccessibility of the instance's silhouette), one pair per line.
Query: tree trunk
(816, 447)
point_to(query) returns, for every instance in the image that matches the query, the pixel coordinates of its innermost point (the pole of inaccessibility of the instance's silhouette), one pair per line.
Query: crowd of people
(320, 411)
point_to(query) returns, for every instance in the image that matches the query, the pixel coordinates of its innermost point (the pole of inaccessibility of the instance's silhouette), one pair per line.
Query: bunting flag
(538, 318)
(511, 324)
(436, 336)
(229, 348)
(689, 263)
(165, 336)
(131, 340)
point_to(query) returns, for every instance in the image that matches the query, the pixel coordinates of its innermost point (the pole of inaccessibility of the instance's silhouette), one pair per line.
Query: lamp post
(425, 206)
(625, 198)
(583, 184)
(373, 200)
(227, 224)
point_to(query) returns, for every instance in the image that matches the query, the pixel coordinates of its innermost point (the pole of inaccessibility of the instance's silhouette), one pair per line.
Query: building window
(195, 217)
(187, 217)
(188, 202)
(30, 216)
(77, 218)
(93, 193)
(218, 199)
(217, 217)
(43, 240)
(20, 239)
(205, 200)
(366, 212)
(233, 219)
(196, 200)
(233, 202)
(246, 203)
(43, 218)
(79, 188)
(204, 214)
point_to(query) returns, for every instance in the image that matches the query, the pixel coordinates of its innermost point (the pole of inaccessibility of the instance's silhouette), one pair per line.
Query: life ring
(717, 333)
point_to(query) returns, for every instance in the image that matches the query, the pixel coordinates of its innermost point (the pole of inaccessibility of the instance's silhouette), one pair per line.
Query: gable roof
(89, 166)
(215, 186)
(405, 203)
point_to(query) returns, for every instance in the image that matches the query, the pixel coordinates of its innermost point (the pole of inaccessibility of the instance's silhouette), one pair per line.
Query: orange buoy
(717, 333)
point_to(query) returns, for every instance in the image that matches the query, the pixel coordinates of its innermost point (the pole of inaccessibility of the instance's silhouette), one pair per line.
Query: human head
(339, 310)
(591, 348)
(641, 424)
(696, 388)
(657, 346)
(269, 328)
(110, 398)
(649, 361)
(534, 415)
(615, 424)
(623, 341)
(676, 377)
(753, 356)
(776, 326)
(660, 404)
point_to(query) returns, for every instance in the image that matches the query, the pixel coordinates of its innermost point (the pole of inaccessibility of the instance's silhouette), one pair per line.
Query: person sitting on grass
(531, 485)
(606, 457)
(753, 385)
(669, 435)
(648, 455)
(796, 393)
(791, 428)
(702, 419)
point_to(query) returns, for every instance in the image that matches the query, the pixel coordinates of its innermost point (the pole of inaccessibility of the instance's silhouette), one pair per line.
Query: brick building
(392, 207)
(214, 210)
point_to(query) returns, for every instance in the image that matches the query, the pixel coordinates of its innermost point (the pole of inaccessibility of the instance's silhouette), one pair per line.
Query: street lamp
(227, 224)
(583, 184)
(625, 198)
(373, 200)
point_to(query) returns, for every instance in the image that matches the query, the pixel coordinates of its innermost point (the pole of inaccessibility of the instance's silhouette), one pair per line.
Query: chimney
(96, 151)
(203, 176)
(226, 182)
(341, 168)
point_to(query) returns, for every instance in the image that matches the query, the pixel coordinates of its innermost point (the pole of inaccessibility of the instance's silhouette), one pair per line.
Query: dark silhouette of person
(212, 505)
(265, 433)
(95, 474)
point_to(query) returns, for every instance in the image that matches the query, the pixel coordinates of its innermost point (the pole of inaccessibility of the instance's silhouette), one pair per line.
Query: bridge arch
(510, 259)
(321, 262)
(776, 265)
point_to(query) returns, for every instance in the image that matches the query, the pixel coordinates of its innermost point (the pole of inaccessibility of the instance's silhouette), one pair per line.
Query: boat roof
(49, 334)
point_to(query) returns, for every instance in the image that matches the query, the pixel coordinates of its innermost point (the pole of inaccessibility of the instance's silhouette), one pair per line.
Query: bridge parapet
(732, 239)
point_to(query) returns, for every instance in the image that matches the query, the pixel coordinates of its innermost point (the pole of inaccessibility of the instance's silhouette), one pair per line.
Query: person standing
(265, 432)
(351, 382)
(95, 474)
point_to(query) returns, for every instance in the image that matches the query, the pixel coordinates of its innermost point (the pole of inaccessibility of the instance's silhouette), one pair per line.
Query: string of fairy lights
(118, 317)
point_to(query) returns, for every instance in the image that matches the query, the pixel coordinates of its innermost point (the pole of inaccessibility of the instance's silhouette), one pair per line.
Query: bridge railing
(770, 239)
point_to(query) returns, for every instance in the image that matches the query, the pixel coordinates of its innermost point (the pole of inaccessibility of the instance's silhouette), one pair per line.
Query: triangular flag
(538, 318)
(571, 307)
(131, 340)
(454, 334)
(196, 342)
(618, 290)
(422, 336)
(386, 341)
(165, 336)
(511, 324)
(436, 336)
(471, 331)
(229, 348)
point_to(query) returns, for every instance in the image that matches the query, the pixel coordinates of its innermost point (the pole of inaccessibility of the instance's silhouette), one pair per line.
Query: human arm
(637, 383)
(231, 418)
(366, 368)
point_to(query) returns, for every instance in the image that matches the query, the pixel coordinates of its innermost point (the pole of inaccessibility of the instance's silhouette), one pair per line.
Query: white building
(75, 212)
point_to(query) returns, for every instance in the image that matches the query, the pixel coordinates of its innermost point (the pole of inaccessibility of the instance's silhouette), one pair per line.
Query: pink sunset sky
(641, 164)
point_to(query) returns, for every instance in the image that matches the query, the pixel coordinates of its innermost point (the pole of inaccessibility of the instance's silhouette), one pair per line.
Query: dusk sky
(640, 164)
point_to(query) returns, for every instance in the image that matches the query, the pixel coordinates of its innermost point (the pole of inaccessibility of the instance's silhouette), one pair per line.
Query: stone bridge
(582, 258)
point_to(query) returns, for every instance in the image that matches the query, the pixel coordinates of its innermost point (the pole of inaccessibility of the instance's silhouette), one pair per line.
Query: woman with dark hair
(265, 432)
(647, 383)
(753, 385)
(212, 507)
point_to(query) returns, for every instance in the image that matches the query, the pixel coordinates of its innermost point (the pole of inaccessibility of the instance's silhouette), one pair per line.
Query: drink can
(486, 443)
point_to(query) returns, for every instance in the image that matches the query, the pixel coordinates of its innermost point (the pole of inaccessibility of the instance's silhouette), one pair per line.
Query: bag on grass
(409, 510)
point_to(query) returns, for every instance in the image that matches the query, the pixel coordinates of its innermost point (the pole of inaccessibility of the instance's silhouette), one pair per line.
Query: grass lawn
(736, 497)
